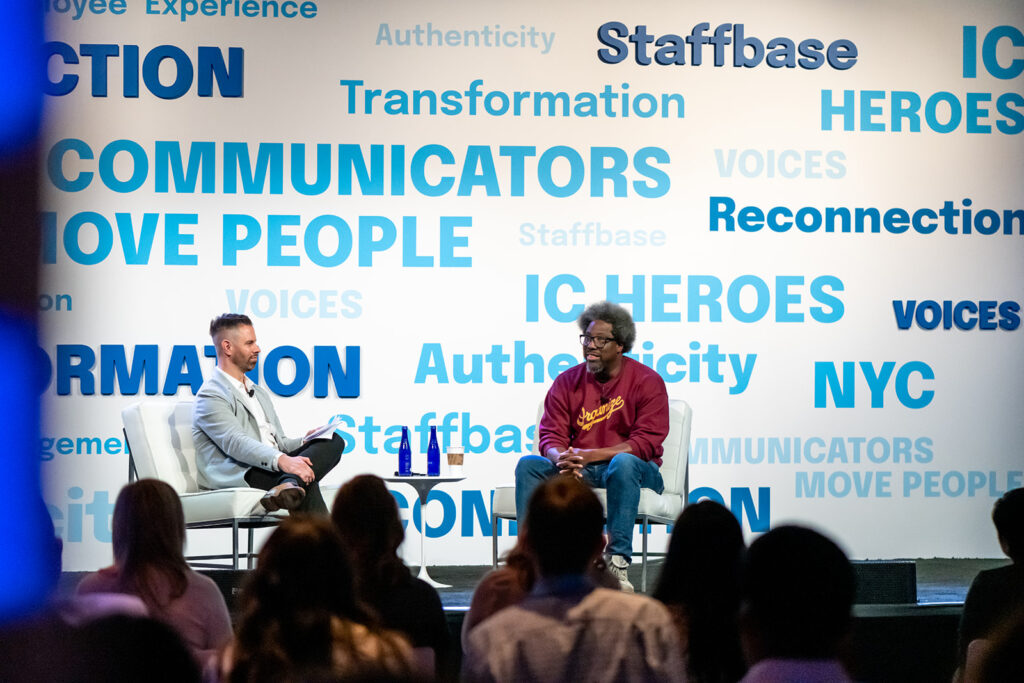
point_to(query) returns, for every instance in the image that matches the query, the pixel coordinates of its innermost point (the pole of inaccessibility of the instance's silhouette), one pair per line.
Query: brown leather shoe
(286, 496)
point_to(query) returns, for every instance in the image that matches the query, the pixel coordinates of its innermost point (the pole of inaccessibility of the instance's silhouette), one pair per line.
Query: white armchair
(654, 508)
(159, 435)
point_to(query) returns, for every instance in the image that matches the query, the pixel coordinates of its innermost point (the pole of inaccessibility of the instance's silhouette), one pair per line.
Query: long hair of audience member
(366, 516)
(700, 581)
(148, 534)
(302, 586)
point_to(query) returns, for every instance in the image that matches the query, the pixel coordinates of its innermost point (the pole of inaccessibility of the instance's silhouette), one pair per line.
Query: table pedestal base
(422, 485)
(424, 576)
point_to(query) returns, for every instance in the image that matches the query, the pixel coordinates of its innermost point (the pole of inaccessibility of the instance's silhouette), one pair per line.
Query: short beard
(600, 372)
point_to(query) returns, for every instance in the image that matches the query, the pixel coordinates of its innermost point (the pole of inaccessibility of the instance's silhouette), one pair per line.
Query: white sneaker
(617, 565)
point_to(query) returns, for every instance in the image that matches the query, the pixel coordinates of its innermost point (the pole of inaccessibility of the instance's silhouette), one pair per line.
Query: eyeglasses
(599, 342)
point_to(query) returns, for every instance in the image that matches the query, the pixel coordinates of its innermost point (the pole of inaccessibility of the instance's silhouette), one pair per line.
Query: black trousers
(322, 453)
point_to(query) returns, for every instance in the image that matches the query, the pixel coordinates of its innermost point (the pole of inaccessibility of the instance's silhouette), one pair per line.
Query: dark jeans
(623, 476)
(322, 453)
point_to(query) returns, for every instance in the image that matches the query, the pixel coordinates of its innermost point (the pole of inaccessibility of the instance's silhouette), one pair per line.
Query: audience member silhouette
(797, 589)
(149, 538)
(57, 642)
(996, 595)
(366, 516)
(300, 619)
(506, 585)
(699, 584)
(115, 647)
(1001, 660)
(568, 628)
(126, 648)
(510, 583)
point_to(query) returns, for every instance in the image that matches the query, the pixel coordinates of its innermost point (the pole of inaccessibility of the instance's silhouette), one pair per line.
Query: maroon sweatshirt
(633, 407)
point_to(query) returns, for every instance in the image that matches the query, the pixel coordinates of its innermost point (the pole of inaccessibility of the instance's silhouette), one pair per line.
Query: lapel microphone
(251, 392)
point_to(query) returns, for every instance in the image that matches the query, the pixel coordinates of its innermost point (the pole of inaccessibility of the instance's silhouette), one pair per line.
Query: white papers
(324, 432)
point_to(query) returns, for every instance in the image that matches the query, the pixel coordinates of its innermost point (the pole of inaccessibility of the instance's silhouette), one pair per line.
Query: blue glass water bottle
(405, 455)
(433, 455)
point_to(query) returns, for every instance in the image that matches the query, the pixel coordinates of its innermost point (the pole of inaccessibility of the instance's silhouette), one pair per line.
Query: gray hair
(618, 317)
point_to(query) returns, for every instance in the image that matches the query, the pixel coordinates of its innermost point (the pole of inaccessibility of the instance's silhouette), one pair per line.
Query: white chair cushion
(504, 504)
(222, 504)
(160, 437)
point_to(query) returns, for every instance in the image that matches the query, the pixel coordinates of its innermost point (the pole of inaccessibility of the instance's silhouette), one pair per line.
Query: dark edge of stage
(904, 626)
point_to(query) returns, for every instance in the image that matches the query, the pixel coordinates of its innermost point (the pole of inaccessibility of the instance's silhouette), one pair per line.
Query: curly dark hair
(618, 317)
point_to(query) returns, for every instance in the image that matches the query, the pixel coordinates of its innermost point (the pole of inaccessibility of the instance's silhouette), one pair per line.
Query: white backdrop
(453, 248)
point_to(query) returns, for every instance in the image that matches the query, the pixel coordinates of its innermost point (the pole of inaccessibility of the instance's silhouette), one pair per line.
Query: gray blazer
(227, 436)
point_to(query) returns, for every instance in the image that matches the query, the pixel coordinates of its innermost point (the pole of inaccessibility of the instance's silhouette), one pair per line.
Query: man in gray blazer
(238, 437)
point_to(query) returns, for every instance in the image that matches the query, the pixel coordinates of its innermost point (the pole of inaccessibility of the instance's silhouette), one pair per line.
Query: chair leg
(234, 544)
(249, 559)
(133, 472)
(494, 542)
(643, 560)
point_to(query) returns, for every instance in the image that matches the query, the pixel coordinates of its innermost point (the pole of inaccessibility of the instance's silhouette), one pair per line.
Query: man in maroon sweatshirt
(604, 422)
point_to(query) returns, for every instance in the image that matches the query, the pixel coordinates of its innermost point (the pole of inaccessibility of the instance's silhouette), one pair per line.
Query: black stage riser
(878, 583)
(230, 583)
(886, 582)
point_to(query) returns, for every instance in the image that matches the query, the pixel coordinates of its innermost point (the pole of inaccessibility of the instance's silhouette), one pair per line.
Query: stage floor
(946, 581)
(939, 581)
